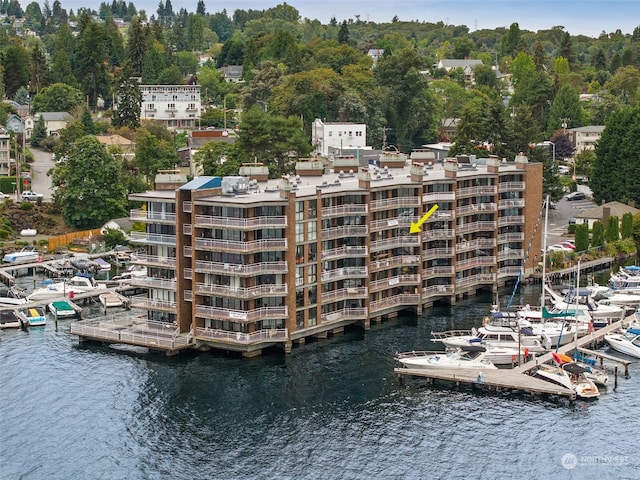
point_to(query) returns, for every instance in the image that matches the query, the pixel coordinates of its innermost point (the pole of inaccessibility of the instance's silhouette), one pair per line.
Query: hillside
(46, 219)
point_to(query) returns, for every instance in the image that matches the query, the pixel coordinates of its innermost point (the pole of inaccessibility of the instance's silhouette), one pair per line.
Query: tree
(612, 232)
(597, 237)
(153, 153)
(87, 122)
(563, 146)
(58, 97)
(39, 70)
(582, 237)
(90, 185)
(136, 45)
(15, 63)
(129, 100)
(91, 59)
(565, 110)
(343, 34)
(217, 159)
(626, 229)
(39, 132)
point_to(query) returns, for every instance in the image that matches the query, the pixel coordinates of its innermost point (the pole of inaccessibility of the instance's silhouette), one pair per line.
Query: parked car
(576, 196)
(31, 196)
(559, 248)
(4, 196)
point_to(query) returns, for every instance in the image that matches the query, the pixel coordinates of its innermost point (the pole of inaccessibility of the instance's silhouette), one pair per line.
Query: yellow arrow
(415, 227)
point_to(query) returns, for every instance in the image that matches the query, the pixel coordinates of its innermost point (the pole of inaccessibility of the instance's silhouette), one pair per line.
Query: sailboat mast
(544, 251)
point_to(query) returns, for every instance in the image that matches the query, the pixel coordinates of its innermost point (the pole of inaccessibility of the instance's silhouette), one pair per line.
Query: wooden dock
(518, 379)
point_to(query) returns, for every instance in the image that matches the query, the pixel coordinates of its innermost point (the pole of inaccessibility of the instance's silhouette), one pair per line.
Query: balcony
(240, 223)
(395, 202)
(141, 301)
(398, 280)
(241, 247)
(344, 294)
(476, 227)
(438, 233)
(480, 279)
(344, 231)
(511, 220)
(356, 313)
(393, 262)
(511, 237)
(395, 242)
(432, 253)
(242, 293)
(475, 191)
(511, 186)
(509, 272)
(512, 253)
(241, 270)
(403, 299)
(487, 261)
(344, 252)
(437, 291)
(434, 197)
(440, 271)
(241, 316)
(344, 273)
(478, 243)
(152, 238)
(475, 208)
(153, 261)
(150, 282)
(343, 210)
(140, 215)
(515, 203)
(235, 338)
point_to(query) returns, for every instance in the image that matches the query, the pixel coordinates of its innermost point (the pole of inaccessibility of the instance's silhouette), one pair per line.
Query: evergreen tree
(39, 132)
(343, 34)
(539, 57)
(565, 110)
(39, 71)
(91, 59)
(566, 50)
(87, 122)
(15, 62)
(582, 237)
(626, 230)
(597, 238)
(201, 8)
(612, 233)
(136, 46)
(129, 100)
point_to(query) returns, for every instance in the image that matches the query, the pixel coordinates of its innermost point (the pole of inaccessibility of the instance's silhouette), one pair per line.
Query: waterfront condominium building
(244, 263)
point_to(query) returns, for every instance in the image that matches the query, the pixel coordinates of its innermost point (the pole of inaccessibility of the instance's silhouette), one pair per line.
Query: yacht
(470, 357)
(570, 376)
(491, 335)
(78, 284)
(12, 296)
(26, 255)
(627, 343)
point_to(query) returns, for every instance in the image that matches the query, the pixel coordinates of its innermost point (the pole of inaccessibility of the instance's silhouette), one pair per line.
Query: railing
(412, 299)
(438, 197)
(151, 282)
(137, 331)
(510, 271)
(397, 261)
(346, 209)
(385, 283)
(438, 271)
(476, 261)
(261, 336)
(344, 231)
(242, 316)
(154, 238)
(242, 223)
(476, 227)
(511, 253)
(511, 237)
(511, 220)
(481, 278)
(187, 229)
(153, 260)
(510, 186)
(437, 290)
(395, 242)
(152, 304)
(395, 202)
(140, 215)
(475, 244)
(245, 247)
(343, 294)
(241, 292)
(187, 207)
(438, 233)
(345, 251)
(479, 190)
(476, 208)
(431, 253)
(512, 203)
(344, 272)
(355, 313)
(236, 269)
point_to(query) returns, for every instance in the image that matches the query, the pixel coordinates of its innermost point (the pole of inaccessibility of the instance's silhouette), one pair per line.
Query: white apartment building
(336, 135)
(585, 138)
(177, 106)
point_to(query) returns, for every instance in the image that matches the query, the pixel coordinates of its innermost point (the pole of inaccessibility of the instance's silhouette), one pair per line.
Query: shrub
(26, 206)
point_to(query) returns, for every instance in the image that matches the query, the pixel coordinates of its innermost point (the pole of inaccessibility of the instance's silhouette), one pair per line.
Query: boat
(35, 316)
(83, 263)
(581, 300)
(627, 343)
(78, 284)
(468, 357)
(491, 335)
(26, 255)
(596, 375)
(12, 296)
(62, 309)
(134, 271)
(9, 319)
(627, 280)
(103, 265)
(109, 300)
(570, 376)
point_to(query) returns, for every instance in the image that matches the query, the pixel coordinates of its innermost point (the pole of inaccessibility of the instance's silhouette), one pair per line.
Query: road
(40, 181)
(559, 218)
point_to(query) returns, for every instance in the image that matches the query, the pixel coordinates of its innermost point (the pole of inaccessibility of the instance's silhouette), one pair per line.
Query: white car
(559, 248)
(4, 196)
(31, 196)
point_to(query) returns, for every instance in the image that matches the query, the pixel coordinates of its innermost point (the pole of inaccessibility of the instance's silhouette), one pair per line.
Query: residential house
(5, 154)
(375, 54)
(175, 106)
(328, 136)
(601, 213)
(467, 66)
(198, 139)
(448, 129)
(54, 121)
(232, 73)
(126, 146)
(585, 138)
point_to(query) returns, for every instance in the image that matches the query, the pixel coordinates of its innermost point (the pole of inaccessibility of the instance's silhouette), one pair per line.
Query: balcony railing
(478, 243)
(479, 279)
(344, 294)
(152, 238)
(511, 186)
(356, 313)
(438, 197)
(511, 220)
(437, 233)
(344, 272)
(347, 209)
(511, 237)
(395, 202)
(243, 293)
(150, 282)
(476, 227)
(412, 299)
(511, 253)
(240, 223)
(153, 304)
(512, 203)
(153, 260)
(479, 190)
(475, 262)
(431, 253)
(475, 208)
(140, 215)
(441, 271)
(398, 261)
(244, 247)
(224, 336)
(395, 242)
(510, 271)
(242, 316)
(236, 269)
(344, 231)
(345, 251)
(437, 291)
(398, 280)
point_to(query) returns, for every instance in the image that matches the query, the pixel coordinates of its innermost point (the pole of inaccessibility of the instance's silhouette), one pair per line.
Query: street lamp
(553, 160)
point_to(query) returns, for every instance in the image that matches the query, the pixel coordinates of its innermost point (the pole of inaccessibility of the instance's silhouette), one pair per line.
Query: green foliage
(153, 153)
(217, 159)
(565, 109)
(90, 185)
(39, 133)
(597, 239)
(626, 229)
(113, 237)
(582, 237)
(612, 232)
(26, 206)
(129, 97)
(58, 97)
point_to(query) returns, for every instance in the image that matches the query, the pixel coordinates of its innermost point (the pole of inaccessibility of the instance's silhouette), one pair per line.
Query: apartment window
(191, 106)
(311, 273)
(311, 231)
(299, 233)
(299, 211)
(151, 106)
(171, 106)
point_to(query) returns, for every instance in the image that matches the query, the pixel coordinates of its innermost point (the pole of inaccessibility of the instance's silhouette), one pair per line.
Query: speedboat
(26, 255)
(596, 375)
(627, 280)
(9, 319)
(62, 309)
(583, 301)
(569, 376)
(470, 358)
(109, 300)
(134, 271)
(78, 284)
(491, 335)
(627, 343)
(12, 296)
(36, 316)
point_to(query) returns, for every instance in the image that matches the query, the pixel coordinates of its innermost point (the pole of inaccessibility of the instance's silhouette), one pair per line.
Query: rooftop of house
(616, 209)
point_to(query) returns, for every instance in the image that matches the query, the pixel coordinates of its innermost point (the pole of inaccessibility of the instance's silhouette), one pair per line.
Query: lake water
(332, 409)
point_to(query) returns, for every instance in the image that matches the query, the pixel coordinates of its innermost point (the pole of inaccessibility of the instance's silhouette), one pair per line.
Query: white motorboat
(627, 343)
(78, 284)
(596, 375)
(491, 335)
(26, 255)
(62, 309)
(569, 376)
(470, 358)
(606, 296)
(581, 301)
(9, 319)
(109, 300)
(627, 280)
(35, 316)
(12, 296)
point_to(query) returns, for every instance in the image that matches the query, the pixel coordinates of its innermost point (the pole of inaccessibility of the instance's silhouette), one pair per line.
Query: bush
(26, 206)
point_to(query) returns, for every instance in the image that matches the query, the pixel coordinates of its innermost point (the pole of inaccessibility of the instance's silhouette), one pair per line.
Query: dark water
(331, 409)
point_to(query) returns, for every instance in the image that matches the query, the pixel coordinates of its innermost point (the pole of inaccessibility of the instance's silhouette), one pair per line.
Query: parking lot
(559, 217)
